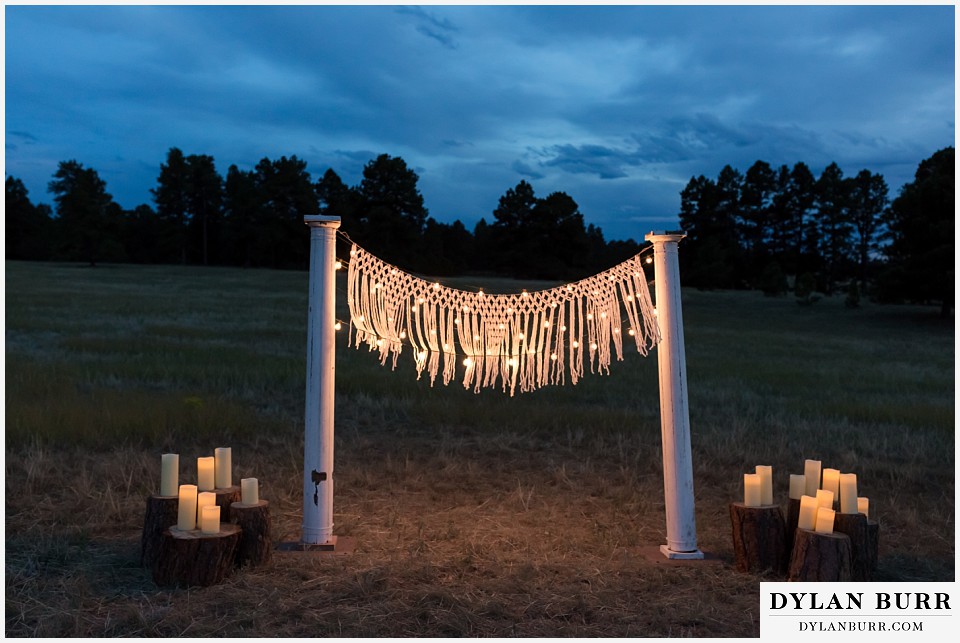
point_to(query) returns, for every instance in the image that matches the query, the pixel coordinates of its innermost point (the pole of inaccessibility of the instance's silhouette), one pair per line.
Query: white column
(674, 412)
(321, 368)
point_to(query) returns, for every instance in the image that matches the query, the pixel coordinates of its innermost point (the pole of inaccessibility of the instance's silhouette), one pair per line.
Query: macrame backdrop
(521, 341)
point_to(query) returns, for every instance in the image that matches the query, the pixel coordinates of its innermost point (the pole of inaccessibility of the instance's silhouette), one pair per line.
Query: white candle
(249, 491)
(187, 507)
(848, 493)
(751, 489)
(205, 479)
(825, 520)
(831, 481)
(223, 466)
(825, 498)
(766, 483)
(863, 506)
(808, 512)
(169, 474)
(811, 474)
(210, 520)
(796, 486)
(205, 499)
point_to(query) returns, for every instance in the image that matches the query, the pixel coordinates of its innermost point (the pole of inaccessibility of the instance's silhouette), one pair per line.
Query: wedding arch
(517, 342)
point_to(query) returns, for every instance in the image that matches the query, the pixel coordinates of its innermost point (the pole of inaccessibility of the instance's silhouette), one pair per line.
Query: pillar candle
(825, 498)
(169, 474)
(205, 499)
(796, 486)
(751, 489)
(831, 482)
(249, 491)
(210, 520)
(811, 475)
(808, 512)
(205, 479)
(825, 520)
(224, 467)
(187, 507)
(766, 484)
(863, 506)
(848, 493)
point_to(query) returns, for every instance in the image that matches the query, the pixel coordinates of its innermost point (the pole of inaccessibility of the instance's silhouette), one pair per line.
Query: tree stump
(855, 527)
(255, 544)
(759, 537)
(192, 558)
(873, 545)
(820, 557)
(226, 497)
(793, 519)
(160, 514)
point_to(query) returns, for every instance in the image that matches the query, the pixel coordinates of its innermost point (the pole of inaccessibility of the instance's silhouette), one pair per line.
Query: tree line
(768, 226)
(760, 229)
(255, 218)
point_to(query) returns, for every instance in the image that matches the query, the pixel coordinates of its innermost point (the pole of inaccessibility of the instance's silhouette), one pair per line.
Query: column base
(681, 555)
(338, 545)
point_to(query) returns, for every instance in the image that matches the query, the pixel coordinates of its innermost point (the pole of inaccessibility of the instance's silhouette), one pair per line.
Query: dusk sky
(617, 106)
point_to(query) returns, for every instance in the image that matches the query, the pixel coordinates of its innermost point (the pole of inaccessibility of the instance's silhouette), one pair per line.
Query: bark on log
(161, 513)
(759, 537)
(255, 543)
(873, 545)
(793, 519)
(820, 557)
(226, 497)
(855, 527)
(192, 558)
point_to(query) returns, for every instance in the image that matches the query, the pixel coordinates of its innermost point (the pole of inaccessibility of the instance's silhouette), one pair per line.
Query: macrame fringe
(523, 341)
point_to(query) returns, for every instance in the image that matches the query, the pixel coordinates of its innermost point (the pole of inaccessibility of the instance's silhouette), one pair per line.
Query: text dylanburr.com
(841, 611)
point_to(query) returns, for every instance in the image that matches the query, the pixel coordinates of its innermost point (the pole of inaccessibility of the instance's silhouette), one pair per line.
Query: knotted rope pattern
(522, 341)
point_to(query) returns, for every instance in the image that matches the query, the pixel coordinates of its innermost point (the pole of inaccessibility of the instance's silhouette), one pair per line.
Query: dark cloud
(616, 105)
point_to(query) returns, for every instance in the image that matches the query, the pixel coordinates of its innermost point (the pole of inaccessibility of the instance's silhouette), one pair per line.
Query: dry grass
(474, 515)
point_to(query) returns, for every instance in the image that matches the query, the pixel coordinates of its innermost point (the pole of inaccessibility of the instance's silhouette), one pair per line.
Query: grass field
(474, 515)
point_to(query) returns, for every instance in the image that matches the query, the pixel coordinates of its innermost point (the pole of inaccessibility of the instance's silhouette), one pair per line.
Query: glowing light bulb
(422, 354)
(360, 318)
(337, 326)
(629, 297)
(512, 361)
(476, 338)
(525, 294)
(446, 346)
(480, 294)
(353, 253)
(468, 362)
(436, 286)
(631, 332)
(589, 315)
(456, 321)
(379, 342)
(649, 260)
(593, 346)
(521, 336)
(576, 344)
(403, 334)
(420, 300)
(553, 357)
(603, 315)
(563, 328)
(546, 324)
(338, 266)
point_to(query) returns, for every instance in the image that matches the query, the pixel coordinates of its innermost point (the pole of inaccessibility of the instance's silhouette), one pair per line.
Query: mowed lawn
(473, 514)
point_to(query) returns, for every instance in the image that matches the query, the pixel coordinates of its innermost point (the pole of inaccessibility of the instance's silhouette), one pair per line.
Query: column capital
(321, 221)
(664, 236)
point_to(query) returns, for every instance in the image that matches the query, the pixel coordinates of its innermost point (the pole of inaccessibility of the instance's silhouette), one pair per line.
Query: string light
(383, 299)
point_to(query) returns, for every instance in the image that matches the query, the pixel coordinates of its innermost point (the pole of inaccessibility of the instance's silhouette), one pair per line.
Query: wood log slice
(820, 557)
(160, 514)
(226, 497)
(855, 527)
(759, 537)
(192, 558)
(255, 542)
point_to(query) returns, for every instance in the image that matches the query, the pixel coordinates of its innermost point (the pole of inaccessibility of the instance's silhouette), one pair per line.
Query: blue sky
(617, 106)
